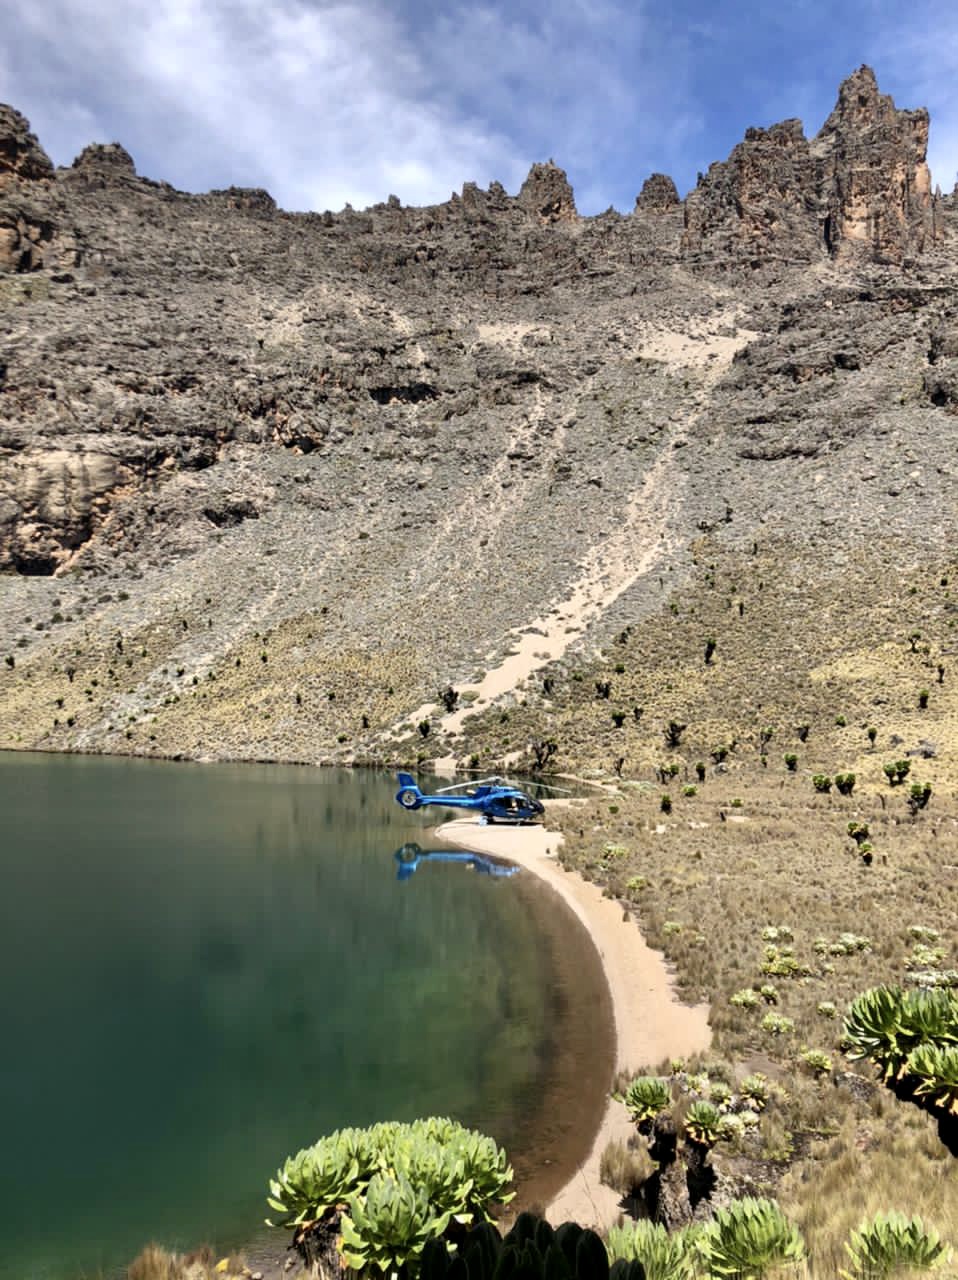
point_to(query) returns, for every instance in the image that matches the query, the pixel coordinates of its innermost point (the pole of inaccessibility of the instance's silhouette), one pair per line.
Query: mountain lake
(204, 968)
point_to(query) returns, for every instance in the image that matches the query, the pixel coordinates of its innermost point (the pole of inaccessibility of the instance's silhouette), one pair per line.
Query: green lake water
(204, 968)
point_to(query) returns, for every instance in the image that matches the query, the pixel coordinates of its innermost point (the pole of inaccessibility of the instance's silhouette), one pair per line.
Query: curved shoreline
(651, 1023)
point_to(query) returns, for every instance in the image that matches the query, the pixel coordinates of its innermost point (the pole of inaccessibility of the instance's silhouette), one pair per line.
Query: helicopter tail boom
(408, 795)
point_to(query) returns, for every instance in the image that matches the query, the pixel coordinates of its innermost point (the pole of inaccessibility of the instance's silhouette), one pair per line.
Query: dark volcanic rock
(658, 194)
(106, 155)
(762, 202)
(20, 153)
(547, 195)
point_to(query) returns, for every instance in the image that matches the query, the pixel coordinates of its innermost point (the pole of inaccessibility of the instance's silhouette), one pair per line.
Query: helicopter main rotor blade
(473, 782)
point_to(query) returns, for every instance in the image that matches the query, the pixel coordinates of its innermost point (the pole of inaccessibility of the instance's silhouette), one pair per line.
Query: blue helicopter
(411, 856)
(494, 798)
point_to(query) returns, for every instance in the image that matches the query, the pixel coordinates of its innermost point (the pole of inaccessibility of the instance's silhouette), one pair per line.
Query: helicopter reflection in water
(411, 856)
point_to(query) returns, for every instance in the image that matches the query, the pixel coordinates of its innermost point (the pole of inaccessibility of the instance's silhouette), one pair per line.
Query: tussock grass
(625, 1167)
(157, 1263)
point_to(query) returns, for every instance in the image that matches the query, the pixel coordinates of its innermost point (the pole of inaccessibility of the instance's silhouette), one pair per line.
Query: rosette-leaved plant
(935, 1069)
(748, 1239)
(320, 1177)
(891, 1243)
(645, 1098)
(703, 1124)
(663, 1255)
(386, 1228)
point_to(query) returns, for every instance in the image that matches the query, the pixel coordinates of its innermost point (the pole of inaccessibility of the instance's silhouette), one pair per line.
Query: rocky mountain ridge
(307, 469)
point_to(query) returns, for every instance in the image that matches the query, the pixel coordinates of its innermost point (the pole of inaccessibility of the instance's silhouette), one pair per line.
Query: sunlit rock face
(874, 182)
(861, 188)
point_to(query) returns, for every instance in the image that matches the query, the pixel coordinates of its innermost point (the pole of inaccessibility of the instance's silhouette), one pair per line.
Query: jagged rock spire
(862, 187)
(106, 155)
(658, 194)
(874, 182)
(547, 195)
(760, 203)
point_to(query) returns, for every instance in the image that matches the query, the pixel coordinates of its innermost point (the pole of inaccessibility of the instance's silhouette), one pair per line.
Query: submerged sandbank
(651, 1023)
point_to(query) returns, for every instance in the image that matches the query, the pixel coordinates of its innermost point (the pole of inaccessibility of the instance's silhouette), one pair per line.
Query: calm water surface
(204, 968)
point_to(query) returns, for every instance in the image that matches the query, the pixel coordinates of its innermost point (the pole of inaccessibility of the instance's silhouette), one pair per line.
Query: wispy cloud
(328, 101)
(322, 103)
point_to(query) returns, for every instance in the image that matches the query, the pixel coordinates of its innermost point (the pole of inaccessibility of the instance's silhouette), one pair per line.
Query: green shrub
(817, 1061)
(847, 944)
(387, 1227)
(777, 933)
(744, 999)
(755, 1091)
(459, 1171)
(935, 1068)
(885, 1024)
(918, 796)
(777, 1025)
(822, 782)
(896, 771)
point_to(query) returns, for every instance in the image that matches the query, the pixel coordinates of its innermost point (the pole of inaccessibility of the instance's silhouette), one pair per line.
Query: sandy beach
(650, 1021)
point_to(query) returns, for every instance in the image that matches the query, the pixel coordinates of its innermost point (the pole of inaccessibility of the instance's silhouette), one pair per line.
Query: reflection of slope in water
(409, 857)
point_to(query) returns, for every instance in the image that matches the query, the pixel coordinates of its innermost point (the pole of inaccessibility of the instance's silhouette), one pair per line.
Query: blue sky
(328, 101)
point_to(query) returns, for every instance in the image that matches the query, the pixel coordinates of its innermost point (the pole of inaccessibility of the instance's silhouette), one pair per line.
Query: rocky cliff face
(248, 457)
(874, 184)
(860, 188)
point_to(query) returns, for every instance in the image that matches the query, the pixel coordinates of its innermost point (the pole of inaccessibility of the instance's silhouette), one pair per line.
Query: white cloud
(322, 103)
(329, 101)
